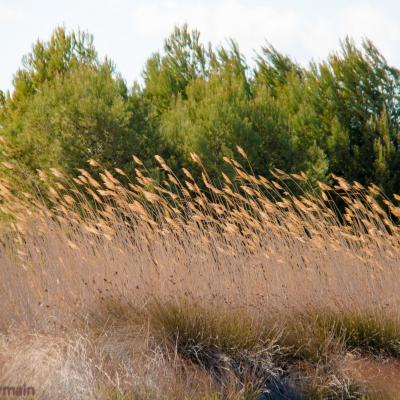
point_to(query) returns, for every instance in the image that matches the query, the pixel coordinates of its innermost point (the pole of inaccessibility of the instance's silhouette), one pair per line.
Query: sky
(129, 31)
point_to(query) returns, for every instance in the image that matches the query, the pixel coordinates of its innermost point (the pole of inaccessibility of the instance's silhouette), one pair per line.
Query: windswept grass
(121, 287)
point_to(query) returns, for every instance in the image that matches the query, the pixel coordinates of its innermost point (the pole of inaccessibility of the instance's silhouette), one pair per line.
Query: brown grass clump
(120, 287)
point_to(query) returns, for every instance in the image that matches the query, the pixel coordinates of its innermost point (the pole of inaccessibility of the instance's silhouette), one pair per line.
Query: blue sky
(129, 31)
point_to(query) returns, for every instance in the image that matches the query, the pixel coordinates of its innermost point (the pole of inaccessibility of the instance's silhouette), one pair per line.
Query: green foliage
(273, 68)
(168, 75)
(339, 116)
(66, 108)
(357, 95)
(52, 59)
(219, 114)
(373, 332)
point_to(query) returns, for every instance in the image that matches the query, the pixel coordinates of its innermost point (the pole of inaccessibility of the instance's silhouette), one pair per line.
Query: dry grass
(119, 287)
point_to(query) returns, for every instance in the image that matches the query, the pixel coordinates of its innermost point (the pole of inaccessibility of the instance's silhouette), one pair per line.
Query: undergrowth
(124, 287)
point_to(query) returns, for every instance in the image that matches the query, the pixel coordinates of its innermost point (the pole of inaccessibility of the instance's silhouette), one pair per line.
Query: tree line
(340, 116)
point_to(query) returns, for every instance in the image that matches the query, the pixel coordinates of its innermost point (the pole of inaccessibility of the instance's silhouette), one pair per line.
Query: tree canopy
(339, 116)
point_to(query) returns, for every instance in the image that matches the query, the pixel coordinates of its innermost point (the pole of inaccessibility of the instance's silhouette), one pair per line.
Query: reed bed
(114, 285)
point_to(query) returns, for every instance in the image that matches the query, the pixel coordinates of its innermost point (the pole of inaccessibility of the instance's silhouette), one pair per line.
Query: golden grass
(225, 288)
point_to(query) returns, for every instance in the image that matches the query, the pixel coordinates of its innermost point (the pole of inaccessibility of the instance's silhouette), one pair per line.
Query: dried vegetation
(119, 287)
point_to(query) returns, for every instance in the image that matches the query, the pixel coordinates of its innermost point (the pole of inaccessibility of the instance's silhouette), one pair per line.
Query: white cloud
(130, 30)
(365, 21)
(9, 13)
(296, 29)
(218, 21)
